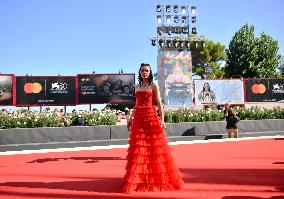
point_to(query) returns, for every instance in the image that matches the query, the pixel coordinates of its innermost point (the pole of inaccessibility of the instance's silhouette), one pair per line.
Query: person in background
(231, 125)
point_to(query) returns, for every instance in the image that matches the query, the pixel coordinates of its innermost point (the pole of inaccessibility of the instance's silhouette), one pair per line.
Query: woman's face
(145, 72)
(206, 87)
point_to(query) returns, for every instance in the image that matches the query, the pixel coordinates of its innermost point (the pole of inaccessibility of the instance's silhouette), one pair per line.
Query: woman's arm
(159, 104)
(130, 118)
(131, 111)
(226, 112)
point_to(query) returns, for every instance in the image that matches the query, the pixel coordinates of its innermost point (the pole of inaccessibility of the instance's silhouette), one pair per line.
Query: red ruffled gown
(150, 165)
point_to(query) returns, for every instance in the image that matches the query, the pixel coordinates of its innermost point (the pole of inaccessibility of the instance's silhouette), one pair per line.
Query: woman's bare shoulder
(154, 86)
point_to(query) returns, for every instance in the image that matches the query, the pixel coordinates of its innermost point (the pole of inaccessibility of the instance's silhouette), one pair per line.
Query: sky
(69, 37)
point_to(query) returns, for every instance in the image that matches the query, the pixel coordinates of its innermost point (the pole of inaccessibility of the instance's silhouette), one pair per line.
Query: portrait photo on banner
(217, 91)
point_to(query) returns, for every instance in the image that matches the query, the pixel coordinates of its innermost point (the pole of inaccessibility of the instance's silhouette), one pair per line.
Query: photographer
(231, 120)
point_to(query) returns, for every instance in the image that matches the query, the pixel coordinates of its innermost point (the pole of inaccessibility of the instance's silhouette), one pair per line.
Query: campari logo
(32, 88)
(258, 88)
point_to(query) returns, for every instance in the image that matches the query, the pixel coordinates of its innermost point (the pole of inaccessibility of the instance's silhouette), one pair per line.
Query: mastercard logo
(32, 88)
(258, 88)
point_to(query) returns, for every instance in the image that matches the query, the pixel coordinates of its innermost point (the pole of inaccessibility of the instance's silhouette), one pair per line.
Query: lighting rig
(176, 28)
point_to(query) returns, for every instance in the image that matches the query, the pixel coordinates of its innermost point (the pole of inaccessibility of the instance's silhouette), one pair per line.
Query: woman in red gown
(150, 165)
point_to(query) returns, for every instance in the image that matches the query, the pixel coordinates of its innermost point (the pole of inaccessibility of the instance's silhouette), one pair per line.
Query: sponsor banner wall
(45, 90)
(106, 88)
(175, 77)
(6, 90)
(217, 91)
(264, 90)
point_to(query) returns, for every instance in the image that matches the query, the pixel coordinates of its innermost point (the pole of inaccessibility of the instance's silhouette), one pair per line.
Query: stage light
(168, 8)
(176, 19)
(169, 43)
(159, 19)
(169, 30)
(184, 30)
(193, 10)
(175, 43)
(161, 43)
(194, 31)
(177, 30)
(175, 8)
(159, 8)
(169, 19)
(184, 19)
(187, 44)
(195, 44)
(181, 44)
(159, 31)
(193, 19)
(183, 10)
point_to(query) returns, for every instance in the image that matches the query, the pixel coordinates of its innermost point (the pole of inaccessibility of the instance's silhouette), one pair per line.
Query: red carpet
(228, 170)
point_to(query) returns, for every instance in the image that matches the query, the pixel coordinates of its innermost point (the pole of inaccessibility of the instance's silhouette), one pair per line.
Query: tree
(267, 56)
(251, 57)
(206, 59)
(242, 53)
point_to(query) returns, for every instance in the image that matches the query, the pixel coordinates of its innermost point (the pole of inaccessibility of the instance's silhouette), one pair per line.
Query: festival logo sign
(58, 87)
(264, 90)
(278, 88)
(49, 90)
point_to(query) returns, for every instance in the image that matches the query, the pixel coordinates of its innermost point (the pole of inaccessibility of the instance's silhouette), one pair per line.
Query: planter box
(219, 127)
(82, 133)
(53, 134)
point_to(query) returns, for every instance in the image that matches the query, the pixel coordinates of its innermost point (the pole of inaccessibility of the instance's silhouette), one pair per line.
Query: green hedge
(33, 119)
(190, 115)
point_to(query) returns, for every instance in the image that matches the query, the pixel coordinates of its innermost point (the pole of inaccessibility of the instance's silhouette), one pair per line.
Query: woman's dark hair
(208, 86)
(140, 79)
(230, 112)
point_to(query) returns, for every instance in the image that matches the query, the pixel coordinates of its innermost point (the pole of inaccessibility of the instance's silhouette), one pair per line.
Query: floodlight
(193, 10)
(184, 19)
(175, 8)
(168, 8)
(183, 10)
(169, 19)
(194, 31)
(159, 19)
(176, 19)
(159, 8)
